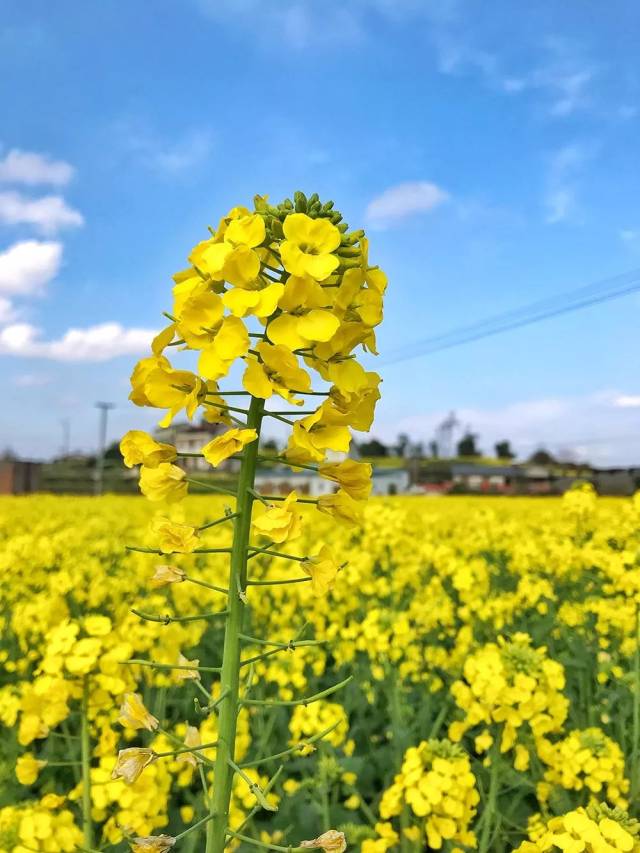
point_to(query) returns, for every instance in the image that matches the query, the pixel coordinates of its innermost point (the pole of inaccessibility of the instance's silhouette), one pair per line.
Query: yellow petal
(241, 266)
(256, 381)
(284, 330)
(268, 299)
(213, 258)
(246, 231)
(240, 301)
(232, 339)
(318, 325)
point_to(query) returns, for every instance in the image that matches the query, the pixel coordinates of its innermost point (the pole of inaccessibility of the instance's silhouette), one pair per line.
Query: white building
(282, 480)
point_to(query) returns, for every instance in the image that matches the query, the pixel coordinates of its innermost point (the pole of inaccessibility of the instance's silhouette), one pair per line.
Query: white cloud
(593, 427)
(95, 343)
(28, 167)
(404, 200)
(26, 267)
(628, 401)
(48, 214)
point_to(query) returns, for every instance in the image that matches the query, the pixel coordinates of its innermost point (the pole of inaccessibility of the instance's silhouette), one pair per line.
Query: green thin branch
(289, 703)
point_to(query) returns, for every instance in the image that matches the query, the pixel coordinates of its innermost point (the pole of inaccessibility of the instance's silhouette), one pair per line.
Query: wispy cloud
(47, 214)
(564, 169)
(95, 343)
(169, 157)
(564, 75)
(404, 200)
(30, 380)
(32, 169)
(27, 267)
(299, 23)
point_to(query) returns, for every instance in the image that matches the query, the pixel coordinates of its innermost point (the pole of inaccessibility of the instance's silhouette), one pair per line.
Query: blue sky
(491, 152)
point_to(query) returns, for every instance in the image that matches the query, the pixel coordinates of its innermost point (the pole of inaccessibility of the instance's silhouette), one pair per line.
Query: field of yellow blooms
(494, 703)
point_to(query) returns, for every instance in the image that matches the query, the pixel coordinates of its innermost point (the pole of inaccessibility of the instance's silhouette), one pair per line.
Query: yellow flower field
(494, 703)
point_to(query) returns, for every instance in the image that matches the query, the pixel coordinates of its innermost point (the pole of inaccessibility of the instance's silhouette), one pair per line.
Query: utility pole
(445, 434)
(66, 437)
(102, 443)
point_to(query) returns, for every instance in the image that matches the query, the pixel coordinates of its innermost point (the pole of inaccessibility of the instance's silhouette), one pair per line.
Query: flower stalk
(230, 675)
(85, 753)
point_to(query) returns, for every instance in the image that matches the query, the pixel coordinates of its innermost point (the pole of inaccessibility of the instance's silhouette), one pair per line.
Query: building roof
(468, 469)
(284, 471)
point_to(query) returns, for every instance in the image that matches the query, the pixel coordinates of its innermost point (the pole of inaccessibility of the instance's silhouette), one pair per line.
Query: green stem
(291, 647)
(206, 585)
(306, 700)
(269, 553)
(292, 749)
(635, 743)
(224, 518)
(156, 665)
(492, 797)
(230, 676)
(211, 487)
(279, 582)
(85, 751)
(264, 845)
(167, 620)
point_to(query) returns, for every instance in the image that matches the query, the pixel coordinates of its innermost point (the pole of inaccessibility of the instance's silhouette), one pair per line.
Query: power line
(535, 312)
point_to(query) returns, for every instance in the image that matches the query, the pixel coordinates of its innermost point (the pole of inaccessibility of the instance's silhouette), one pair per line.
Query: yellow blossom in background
(27, 769)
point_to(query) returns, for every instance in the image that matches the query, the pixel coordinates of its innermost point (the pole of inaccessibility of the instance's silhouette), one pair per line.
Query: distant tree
(434, 449)
(373, 447)
(270, 445)
(416, 451)
(542, 457)
(8, 455)
(503, 450)
(467, 445)
(113, 452)
(402, 444)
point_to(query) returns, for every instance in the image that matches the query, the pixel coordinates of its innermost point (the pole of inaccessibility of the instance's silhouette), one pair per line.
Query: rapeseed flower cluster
(436, 783)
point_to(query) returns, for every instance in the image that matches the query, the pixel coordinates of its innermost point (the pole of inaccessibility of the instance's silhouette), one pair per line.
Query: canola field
(494, 699)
